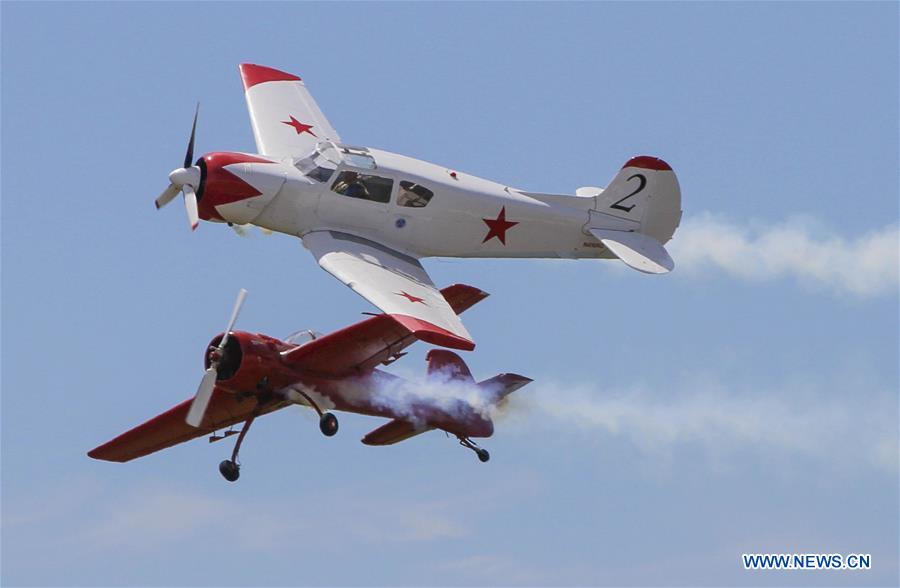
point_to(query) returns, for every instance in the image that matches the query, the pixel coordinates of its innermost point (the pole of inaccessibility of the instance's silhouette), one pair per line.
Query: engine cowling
(249, 362)
(236, 187)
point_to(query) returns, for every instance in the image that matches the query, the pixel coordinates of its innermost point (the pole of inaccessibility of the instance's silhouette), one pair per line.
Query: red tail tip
(647, 162)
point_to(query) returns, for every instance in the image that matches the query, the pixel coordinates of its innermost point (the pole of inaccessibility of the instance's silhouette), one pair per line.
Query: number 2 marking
(643, 180)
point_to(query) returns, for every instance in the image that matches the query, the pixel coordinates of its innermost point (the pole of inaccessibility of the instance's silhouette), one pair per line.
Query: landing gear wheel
(483, 455)
(328, 424)
(230, 470)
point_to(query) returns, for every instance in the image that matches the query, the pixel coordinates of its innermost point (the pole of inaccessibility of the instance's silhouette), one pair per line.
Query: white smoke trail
(412, 400)
(802, 418)
(867, 265)
(721, 420)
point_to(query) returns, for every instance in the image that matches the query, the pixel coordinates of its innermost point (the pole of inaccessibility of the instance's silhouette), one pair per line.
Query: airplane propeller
(208, 383)
(186, 180)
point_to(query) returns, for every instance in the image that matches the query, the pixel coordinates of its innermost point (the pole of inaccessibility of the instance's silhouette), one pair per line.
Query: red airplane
(250, 374)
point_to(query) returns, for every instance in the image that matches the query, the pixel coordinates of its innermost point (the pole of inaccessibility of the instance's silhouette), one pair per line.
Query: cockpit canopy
(321, 163)
(299, 338)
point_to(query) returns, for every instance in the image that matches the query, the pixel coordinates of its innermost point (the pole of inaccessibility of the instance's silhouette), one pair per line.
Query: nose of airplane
(225, 181)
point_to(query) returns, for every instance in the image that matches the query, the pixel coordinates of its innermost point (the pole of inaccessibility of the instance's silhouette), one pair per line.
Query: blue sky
(745, 403)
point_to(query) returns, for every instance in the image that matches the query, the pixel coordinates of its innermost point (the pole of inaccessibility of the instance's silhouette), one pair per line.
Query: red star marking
(498, 227)
(410, 297)
(299, 126)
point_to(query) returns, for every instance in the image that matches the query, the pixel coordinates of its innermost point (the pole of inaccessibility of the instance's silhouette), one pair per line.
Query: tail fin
(645, 191)
(446, 365)
(643, 198)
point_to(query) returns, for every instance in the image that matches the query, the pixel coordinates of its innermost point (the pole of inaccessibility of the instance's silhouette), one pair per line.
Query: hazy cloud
(863, 265)
(152, 516)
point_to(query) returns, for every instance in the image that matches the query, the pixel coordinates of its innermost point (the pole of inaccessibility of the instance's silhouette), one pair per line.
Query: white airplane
(368, 216)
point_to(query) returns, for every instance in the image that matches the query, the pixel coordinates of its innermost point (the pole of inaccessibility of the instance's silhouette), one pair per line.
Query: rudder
(645, 192)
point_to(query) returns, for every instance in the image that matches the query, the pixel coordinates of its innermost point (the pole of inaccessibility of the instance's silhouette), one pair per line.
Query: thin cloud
(864, 265)
(152, 516)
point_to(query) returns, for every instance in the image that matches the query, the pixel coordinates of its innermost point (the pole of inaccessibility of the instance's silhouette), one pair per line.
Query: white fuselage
(467, 216)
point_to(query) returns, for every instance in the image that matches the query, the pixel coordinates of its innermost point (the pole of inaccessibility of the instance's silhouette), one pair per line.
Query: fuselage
(253, 362)
(410, 205)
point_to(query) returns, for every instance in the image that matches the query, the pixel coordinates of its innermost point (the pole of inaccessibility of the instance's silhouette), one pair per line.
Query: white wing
(392, 281)
(286, 120)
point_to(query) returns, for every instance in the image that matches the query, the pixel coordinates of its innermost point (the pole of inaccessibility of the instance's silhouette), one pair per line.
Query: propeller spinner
(208, 383)
(186, 180)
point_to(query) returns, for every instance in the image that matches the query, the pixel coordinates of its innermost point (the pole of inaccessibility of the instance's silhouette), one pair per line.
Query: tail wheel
(483, 455)
(328, 424)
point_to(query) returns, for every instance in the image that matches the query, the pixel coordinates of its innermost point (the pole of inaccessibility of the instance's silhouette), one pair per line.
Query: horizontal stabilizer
(502, 385)
(642, 252)
(393, 432)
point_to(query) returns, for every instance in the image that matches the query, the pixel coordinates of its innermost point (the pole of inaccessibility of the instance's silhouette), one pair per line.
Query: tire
(230, 470)
(328, 424)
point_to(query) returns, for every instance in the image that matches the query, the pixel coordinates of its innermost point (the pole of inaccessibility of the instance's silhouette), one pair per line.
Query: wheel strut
(328, 423)
(482, 453)
(231, 469)
(240, 439)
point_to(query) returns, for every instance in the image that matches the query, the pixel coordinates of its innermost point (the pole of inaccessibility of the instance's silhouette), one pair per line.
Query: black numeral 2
(643, 181)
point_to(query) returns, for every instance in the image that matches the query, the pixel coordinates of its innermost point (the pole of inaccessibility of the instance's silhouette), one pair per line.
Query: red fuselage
(253, 363)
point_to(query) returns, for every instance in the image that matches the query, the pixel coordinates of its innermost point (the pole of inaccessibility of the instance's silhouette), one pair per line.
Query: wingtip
(253, 74)
(647, 162)
(430, 333)
(461, 297)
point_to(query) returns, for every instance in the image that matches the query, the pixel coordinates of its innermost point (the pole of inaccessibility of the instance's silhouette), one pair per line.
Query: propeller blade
(167, 195)
(190, 203)
(189, 156)
(234, 314)
(240, 230)
(202, 398)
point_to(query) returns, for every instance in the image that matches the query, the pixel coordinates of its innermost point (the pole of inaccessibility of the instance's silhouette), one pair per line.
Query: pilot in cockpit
(351, 185)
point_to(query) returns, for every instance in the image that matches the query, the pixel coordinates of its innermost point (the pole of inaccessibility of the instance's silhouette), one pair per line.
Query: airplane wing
(170, 428)
(361, 347)
(394, 282)
(286, 120)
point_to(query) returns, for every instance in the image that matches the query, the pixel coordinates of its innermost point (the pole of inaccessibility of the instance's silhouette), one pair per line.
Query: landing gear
(482, 453)
(231, 468)
(328, 424)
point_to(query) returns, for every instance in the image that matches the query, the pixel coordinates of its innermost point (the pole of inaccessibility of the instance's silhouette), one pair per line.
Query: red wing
(361, 347)
(393, 432)
(170, 429)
